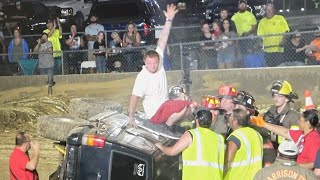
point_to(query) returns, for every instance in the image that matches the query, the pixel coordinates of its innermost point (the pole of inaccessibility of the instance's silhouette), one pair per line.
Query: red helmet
(210, 102)
(227, 90)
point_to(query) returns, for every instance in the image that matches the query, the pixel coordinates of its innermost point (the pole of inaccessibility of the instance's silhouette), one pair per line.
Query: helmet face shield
(174, 91)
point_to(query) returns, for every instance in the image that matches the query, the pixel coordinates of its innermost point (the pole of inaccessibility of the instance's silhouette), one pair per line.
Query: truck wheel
(57, 127)
(87, 107)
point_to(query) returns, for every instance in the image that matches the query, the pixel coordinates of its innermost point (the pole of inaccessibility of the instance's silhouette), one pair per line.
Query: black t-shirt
(101, 46)
(290, 52)
(76, 43)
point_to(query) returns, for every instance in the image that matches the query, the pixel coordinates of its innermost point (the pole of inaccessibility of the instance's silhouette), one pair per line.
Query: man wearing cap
(244, 148)
(285, 167)
(219, 123)
(280, 113)
(202, 150)
(273, 45)
(54, 36)
(91, 32)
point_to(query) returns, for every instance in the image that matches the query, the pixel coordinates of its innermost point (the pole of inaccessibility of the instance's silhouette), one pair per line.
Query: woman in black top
(100, 53)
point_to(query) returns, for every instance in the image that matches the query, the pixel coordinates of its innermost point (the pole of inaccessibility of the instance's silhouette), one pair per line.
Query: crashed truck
(95, 144)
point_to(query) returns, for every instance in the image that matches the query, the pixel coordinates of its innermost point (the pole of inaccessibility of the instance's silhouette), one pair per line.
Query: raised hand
(171, 11)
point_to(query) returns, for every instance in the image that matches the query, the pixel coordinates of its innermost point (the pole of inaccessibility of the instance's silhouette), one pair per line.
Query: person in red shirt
(307, 138)
(21, 166)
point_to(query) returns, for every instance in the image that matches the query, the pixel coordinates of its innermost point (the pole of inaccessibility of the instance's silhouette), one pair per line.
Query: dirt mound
(22, 113)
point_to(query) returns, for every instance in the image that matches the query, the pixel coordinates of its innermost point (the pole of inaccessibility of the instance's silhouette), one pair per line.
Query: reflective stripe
(199, 145)
(202, 163)
(249, 158)
(199, 161)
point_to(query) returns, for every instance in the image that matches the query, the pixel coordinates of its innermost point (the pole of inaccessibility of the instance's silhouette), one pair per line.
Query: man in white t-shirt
(151, 82)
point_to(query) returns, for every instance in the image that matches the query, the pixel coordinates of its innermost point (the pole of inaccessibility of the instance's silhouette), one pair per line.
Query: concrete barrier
(255, 81)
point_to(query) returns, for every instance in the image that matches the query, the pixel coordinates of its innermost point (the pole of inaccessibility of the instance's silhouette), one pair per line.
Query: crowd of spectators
(124, 49)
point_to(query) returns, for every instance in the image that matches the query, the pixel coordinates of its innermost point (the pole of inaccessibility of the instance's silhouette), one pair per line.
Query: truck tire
(57, 127)
(87, 107)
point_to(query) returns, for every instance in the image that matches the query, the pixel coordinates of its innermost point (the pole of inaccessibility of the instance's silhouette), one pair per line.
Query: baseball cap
(18, 3)
(288, 148)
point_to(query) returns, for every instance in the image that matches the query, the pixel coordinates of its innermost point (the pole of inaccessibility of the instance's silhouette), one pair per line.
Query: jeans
(49, 73)
(101, 64)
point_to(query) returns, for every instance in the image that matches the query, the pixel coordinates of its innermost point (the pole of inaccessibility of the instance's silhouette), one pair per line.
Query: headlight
(208, 14)
(260, 10)
(182, 6)
(66, 12)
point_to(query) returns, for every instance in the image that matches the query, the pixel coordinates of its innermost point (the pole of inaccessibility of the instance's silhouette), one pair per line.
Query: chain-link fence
(184, 51)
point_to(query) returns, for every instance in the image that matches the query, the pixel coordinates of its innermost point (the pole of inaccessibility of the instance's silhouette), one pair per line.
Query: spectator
(273, 45)
(244, 148)
(17, 15)
(294, 50)
(254, 57)
(226, 51)
(2, 45)
(246, 25)
(313, 50)
(280, 113)
(54, 35)
(151, 82)
(202, 150)
(100, 53)
(317, 165)
(208, 53)
(46, 60)
(307, 138)
(115, 59)
(17, 49)
(286, 162)
(216, 30)
(219, 124)
(21, 166)
(131, 38)
(74, 42)
(224, 14)
(91, 32)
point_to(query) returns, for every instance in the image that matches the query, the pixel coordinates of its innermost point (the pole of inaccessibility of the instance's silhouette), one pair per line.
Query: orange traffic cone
(308, 103)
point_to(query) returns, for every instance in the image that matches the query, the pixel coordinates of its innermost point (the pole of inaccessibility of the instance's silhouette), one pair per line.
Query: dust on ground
(17, 100)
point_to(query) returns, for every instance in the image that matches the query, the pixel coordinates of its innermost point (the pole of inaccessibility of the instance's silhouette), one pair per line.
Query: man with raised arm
(151, 82)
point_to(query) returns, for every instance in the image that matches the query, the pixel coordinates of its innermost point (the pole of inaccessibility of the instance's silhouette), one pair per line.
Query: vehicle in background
(76, 11)
(115, 15)
(283, 7)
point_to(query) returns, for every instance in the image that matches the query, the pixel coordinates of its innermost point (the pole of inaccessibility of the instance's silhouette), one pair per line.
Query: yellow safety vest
(248, 159)
(204, 159)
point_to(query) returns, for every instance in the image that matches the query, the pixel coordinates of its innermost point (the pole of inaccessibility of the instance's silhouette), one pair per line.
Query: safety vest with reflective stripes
(204, 158)
(248, 159)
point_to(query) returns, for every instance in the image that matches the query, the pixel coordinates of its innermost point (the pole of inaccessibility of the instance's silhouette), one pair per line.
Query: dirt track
(117, 90)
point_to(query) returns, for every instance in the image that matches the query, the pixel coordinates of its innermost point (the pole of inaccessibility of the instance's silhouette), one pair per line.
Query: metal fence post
(62, 63)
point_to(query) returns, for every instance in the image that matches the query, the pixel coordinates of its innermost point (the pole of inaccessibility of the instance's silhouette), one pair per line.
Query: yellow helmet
(283, 88)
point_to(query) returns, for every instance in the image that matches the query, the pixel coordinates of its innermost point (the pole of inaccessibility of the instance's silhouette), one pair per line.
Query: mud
(20, 107)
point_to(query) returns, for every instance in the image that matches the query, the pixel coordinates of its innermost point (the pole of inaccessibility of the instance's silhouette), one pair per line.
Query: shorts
(226, 58)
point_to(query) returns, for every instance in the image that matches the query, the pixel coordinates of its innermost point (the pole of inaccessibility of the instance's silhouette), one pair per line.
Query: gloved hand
(258, 121)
